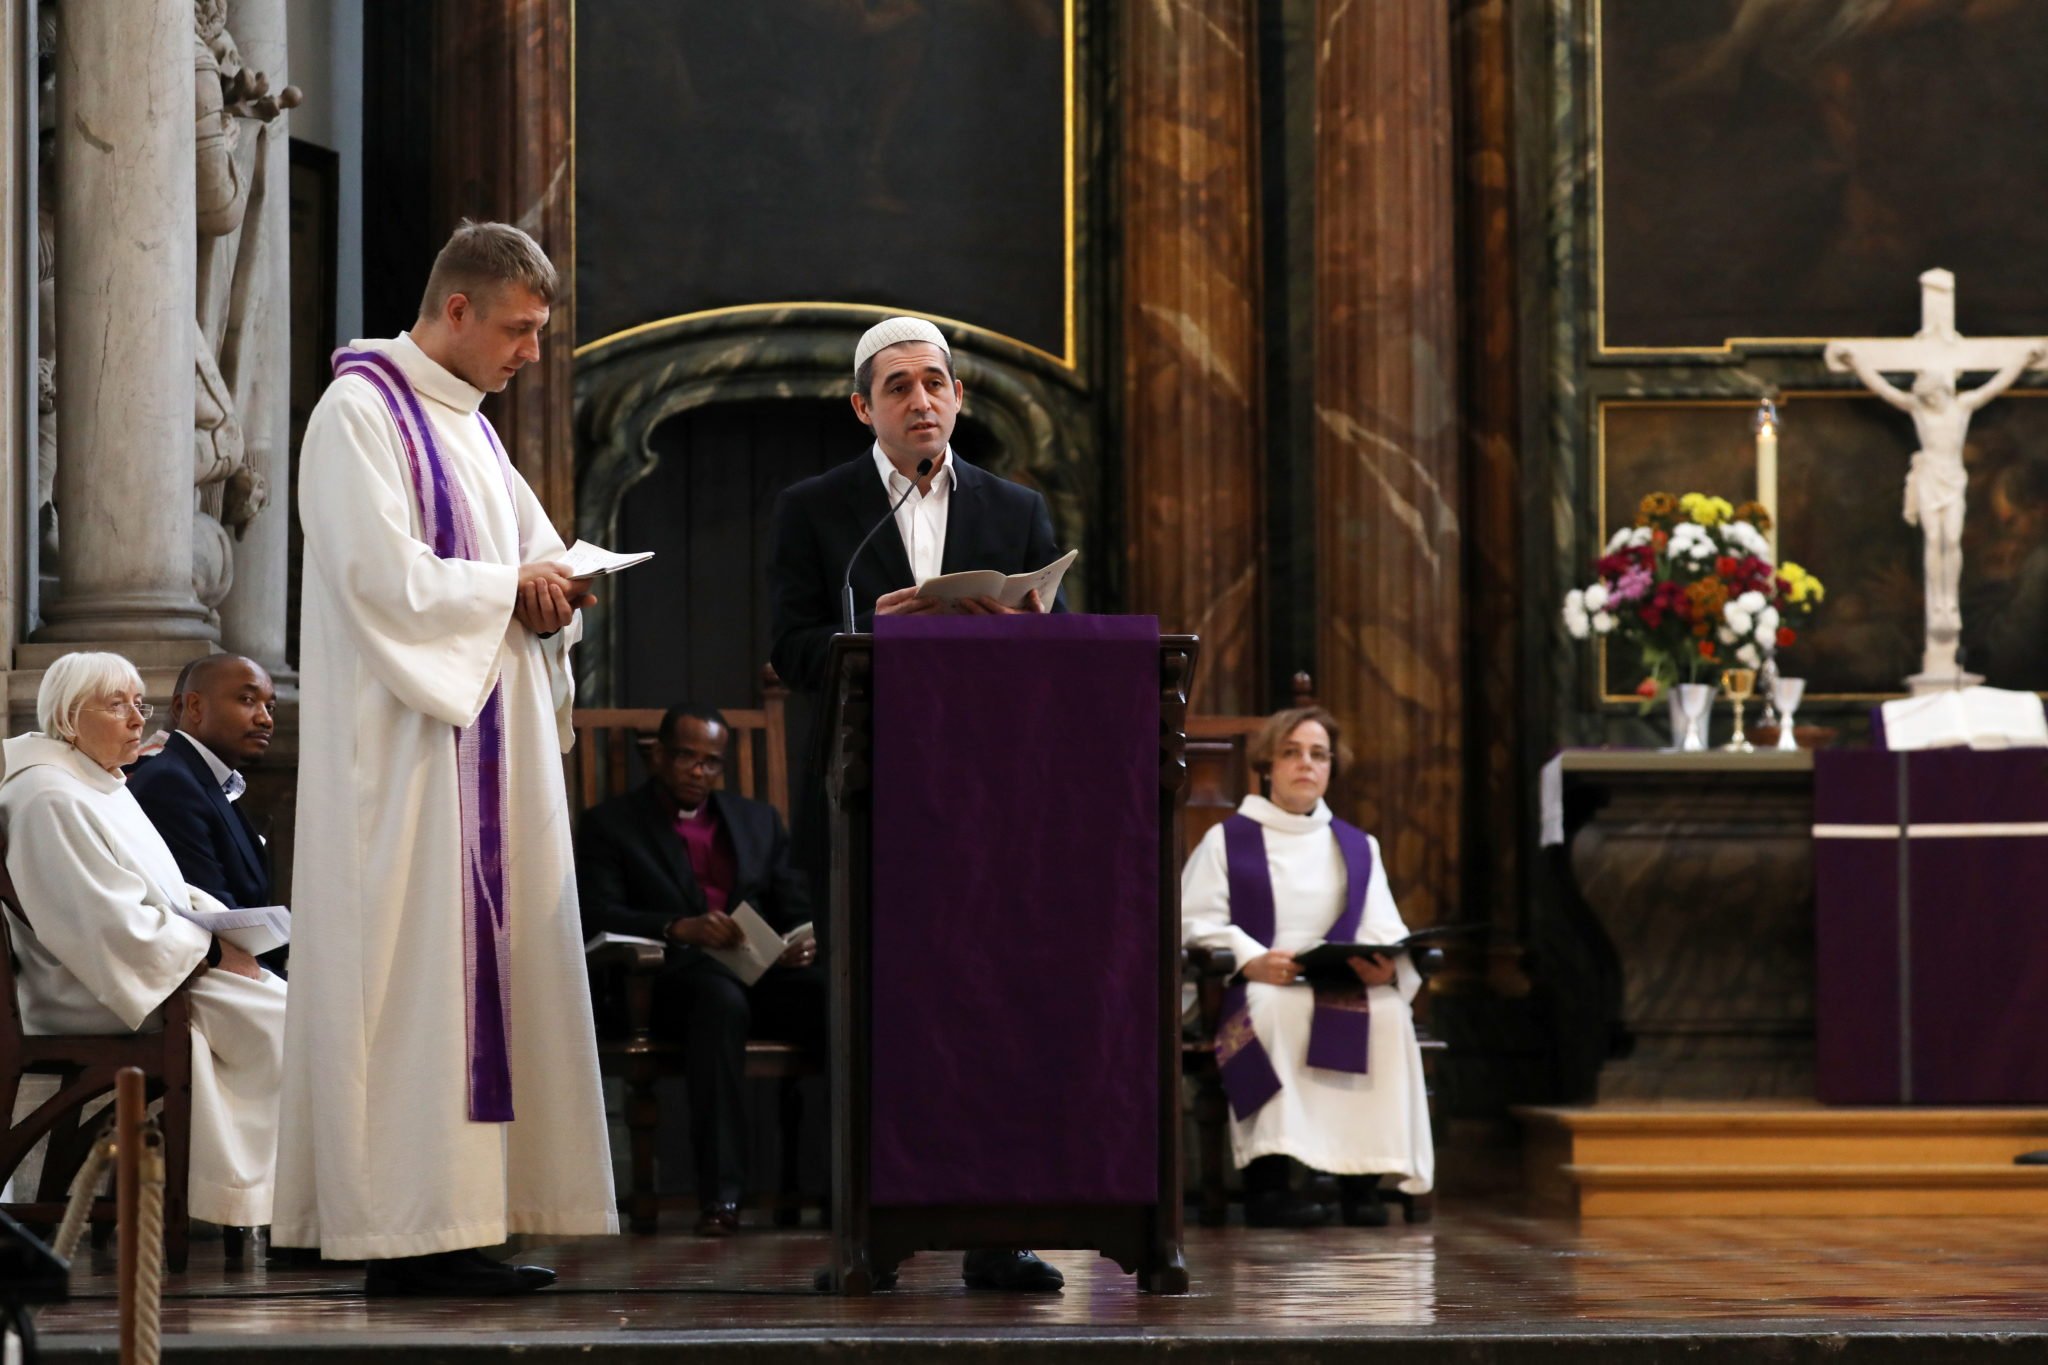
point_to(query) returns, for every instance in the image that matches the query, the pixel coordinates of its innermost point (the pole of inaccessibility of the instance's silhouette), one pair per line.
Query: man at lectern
(833, 552)
(950, 515)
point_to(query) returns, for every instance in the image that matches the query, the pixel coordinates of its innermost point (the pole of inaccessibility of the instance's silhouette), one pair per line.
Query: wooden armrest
(1220, 963)
(633, 957)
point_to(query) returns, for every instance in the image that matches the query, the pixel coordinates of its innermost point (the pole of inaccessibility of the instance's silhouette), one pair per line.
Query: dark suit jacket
(217, 848)
(991, 523)
(633, 874)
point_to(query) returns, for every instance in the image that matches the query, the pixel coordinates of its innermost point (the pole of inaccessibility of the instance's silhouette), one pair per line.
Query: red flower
(1660, 538)
(1726, 566)
(1706, 649)
(1647, 688)
(1787, 637)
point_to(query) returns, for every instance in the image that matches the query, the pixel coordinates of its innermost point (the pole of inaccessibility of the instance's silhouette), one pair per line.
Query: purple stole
(1338, 1036)
(447, 526)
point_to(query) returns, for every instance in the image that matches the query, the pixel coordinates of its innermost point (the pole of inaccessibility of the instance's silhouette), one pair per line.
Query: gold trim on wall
(1070, 359)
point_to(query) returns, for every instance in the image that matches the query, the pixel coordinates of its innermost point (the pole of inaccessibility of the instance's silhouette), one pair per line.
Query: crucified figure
(1936, 481)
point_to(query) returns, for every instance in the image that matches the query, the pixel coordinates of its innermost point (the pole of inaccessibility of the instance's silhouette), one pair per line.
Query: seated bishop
(1328, 1075)
(672, 861)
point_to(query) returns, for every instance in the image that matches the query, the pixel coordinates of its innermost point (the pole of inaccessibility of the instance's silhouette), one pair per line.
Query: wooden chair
(609, 759)
(1220, 775)
(85, 1067)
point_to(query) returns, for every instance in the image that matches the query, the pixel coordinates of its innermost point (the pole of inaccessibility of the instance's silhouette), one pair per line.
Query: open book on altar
(1331, 959)
(1008, 589)
(1973, 717)
(252, 928)
(584, 560)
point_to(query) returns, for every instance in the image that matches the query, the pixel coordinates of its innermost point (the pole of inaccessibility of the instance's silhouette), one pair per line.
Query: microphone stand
(924, 467)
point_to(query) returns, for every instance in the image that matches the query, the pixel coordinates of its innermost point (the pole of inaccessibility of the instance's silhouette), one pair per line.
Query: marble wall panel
(504, 150)
(1193, 465)
(1389, 512)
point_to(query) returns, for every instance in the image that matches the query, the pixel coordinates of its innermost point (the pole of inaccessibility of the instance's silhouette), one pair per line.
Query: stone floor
(1476, 1285)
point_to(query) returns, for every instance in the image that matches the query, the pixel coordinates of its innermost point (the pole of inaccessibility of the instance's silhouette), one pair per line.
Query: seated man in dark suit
(223, 715)
(951, 517)
(668, 862)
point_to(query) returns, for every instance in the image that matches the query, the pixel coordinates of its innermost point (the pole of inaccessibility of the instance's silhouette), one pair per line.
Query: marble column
(252, 619)
(1192, 455)
(502, 124)
(1389, 540)
(1502, 789)
(125, 216)
(17, 340)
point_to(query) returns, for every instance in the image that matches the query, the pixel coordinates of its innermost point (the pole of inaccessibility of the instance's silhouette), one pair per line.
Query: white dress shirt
(921, 520)
(232, 783)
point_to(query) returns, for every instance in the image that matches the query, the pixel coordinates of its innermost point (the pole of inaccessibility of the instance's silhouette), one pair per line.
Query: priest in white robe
(106, 940)
(1330, 1079)
(442, 1088)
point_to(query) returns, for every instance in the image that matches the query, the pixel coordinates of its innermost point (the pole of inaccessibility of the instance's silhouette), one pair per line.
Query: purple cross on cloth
(1016, 931)
(1341, 1029)
(446, 524)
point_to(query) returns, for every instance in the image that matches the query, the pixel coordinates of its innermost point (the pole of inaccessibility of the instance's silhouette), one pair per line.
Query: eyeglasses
(1318, 755)
(121, 708)
(708, 763)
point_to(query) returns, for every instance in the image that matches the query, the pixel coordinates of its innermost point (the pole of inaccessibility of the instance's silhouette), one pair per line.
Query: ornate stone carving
(229, 173)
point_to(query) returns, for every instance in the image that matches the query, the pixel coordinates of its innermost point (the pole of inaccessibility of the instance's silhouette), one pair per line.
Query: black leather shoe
(453, 1275)
(1020, 1272)
(1363, 1206)
(721, 1219)
(1284, 1209)
(2039, 1158)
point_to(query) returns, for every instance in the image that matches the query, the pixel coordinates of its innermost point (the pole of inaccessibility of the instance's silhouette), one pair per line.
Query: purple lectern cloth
(1954, 914)
(1016, 935)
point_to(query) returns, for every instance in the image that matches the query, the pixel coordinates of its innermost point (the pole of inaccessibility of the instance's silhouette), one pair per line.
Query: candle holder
(1741, 685)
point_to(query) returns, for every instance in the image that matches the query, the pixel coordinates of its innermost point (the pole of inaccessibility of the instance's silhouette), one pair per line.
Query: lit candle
(1767, 466)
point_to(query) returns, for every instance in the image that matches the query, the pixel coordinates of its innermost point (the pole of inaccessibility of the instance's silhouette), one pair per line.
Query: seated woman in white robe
(1330, 1075)
(106, 942)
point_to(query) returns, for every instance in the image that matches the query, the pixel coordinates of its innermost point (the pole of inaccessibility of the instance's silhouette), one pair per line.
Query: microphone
(924, 467)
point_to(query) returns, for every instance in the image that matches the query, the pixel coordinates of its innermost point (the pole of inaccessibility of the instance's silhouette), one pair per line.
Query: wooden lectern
(872, 1235)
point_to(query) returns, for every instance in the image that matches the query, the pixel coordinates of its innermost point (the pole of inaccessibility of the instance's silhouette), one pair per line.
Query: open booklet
(1008, 589)
(252, 928)
(1329, 959)
(762, 949)
(584, 560)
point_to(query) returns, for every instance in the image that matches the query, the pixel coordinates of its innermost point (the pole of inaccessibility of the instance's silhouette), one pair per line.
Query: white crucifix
(1936, 482)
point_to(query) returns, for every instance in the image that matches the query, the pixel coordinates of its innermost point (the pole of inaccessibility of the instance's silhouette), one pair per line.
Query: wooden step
(1783, 1160)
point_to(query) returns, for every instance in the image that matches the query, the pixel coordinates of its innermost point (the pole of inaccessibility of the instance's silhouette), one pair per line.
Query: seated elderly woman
(1329, 1075)
(106, 941)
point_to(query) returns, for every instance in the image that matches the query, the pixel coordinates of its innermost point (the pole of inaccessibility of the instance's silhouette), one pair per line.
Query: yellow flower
(1801, 586)
(1705, 510)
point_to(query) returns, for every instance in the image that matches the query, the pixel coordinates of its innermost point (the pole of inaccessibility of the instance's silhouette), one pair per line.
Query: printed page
(584, 560)
(252, 928)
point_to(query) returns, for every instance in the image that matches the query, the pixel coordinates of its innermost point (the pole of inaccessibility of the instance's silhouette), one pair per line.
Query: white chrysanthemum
(1619, 540)
(1640, 537)
(1596, 597)
(1603, 622)
(1727, 635)
(1748, 539)
(1575, 614)
(1736, 620)
(1749, 656)
(1767, 625)
(1751, 602)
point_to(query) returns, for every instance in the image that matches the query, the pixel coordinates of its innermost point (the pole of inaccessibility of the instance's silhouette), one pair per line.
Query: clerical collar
(232, 783)
(429, 376)
(1286, 821)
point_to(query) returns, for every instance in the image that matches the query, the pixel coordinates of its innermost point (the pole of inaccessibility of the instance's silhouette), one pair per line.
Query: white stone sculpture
(227, 158)
(1936, 481)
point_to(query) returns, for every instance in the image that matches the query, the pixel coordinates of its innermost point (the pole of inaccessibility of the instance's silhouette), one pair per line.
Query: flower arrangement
(1692, 587)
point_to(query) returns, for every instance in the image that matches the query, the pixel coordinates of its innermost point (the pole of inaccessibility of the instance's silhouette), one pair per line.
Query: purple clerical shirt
(711, 855)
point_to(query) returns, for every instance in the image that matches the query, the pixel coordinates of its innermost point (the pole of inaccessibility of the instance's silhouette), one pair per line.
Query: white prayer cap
(891, 331)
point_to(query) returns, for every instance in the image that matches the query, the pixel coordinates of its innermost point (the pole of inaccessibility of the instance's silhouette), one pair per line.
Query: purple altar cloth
(1016, 936)
(1933, 960)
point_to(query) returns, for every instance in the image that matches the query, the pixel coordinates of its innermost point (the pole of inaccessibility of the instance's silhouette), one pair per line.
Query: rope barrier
(149, 1269)
(78, 1212)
